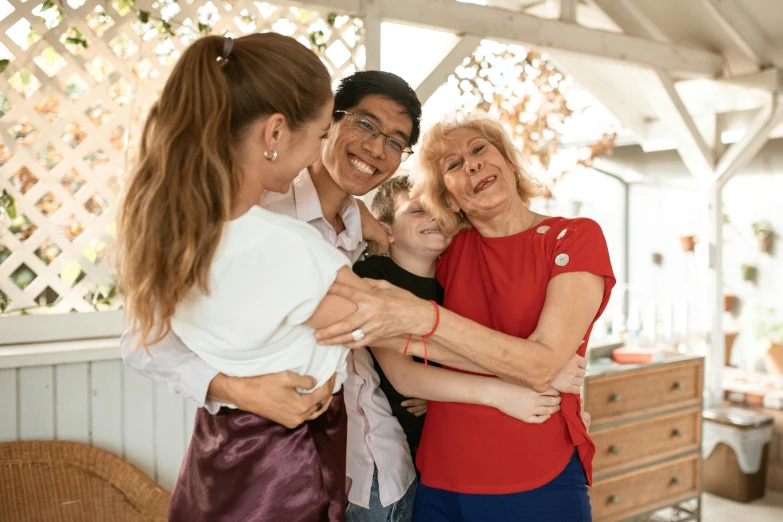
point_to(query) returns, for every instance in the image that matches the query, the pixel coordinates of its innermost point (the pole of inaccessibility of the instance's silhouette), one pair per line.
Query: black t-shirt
(378, 267)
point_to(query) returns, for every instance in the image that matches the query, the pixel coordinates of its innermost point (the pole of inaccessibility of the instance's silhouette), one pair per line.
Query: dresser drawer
(636, 492)
(636, 443)
(615, 397)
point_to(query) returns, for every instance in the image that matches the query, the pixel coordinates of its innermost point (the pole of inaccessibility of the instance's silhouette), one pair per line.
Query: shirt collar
(308, 209)
(306, 202)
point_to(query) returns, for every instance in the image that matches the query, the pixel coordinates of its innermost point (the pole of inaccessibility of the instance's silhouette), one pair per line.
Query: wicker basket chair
(69, 481)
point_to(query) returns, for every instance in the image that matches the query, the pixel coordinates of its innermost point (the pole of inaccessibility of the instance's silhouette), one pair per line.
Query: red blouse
(501, 283)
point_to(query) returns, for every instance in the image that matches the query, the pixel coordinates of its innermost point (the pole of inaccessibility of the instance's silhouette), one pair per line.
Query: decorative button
(561, 234)
(562, 260)
(543, 229)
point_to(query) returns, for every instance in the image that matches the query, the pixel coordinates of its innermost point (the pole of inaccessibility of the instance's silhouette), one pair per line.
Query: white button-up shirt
(375, 437)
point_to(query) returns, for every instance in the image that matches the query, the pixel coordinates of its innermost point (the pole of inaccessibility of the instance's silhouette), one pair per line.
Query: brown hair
(384, 203)
(186, 178)
(428, 185)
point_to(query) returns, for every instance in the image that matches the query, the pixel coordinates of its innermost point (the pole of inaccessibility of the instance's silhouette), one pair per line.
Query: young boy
(418, 243)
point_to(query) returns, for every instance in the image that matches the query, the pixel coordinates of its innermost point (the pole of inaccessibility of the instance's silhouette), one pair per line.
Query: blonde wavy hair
(427, 180)
(185, 180)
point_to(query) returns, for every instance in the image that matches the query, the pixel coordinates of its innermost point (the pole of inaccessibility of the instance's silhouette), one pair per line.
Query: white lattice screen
(80, 78)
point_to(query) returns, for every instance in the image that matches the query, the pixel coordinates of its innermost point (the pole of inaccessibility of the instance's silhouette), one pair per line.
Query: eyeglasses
(365, 129)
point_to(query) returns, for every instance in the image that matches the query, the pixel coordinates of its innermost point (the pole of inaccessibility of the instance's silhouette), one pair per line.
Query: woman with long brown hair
(241, 286)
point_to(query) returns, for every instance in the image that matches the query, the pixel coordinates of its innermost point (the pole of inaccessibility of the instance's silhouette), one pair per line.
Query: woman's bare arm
(413, 379)
(572, 302)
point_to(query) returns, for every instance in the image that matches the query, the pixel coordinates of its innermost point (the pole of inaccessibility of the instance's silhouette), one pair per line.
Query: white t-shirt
(267, 278)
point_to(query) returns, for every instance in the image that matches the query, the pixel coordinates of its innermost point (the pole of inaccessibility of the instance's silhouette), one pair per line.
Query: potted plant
(657, 258)
(688, 243)
(729, 301)
(728, 343)
(749, 273)
(764, 233)
(771, 329)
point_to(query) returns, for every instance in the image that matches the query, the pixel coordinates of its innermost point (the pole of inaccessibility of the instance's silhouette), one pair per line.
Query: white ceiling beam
(516, 27)
(511, 5)
(769, 79)
(744, 31)
(631, 19)
(695, 152)
(462, 48)
(758, 133)
(604, 89)
(730, 124)
(660, 90)
(372, 40)
(568, 10)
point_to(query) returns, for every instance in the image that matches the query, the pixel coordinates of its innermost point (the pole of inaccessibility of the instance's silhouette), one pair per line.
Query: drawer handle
(675, 481)
(615, 397)
(678, 385)
(614, 450)
(614, 499)
(676, 432)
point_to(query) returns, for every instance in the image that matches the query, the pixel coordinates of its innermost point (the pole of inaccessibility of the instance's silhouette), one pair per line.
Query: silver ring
(358, 335)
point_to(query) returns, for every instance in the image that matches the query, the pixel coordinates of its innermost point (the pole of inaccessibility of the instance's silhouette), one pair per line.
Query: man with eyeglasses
(376, 121)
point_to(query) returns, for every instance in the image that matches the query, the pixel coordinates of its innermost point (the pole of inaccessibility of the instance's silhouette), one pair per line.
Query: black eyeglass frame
(405, 153)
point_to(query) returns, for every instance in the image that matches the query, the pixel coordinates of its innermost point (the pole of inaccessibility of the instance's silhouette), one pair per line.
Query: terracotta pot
(688, 243)
(728, 343)
(765, 244)
(729, 300)
(773, 359)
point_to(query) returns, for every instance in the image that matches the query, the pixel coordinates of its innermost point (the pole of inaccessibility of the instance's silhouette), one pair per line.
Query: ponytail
(181, 191)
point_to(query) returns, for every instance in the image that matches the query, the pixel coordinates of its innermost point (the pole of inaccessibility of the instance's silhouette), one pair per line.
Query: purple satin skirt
(242, 467)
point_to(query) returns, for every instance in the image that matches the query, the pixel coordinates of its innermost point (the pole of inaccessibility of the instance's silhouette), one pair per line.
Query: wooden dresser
(647, 431)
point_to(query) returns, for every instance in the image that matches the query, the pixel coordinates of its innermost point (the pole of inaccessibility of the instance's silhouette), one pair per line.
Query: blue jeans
(564, 499)
(400, 511)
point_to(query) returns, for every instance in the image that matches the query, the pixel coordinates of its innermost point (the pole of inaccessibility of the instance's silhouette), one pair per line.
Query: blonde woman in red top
(522, 292)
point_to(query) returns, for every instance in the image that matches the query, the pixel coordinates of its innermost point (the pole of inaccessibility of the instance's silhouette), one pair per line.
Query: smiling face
(415, 230)
(358, 166)
(478, 177)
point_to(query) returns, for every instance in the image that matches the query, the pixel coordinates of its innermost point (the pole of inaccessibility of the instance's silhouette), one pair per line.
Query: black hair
(354, 88)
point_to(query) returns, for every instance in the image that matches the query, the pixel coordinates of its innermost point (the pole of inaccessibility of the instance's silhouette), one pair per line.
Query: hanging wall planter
(657, 258)
(688, 243)
(765, 234)
(749, 273)
(729, 302)
(773, 359)
(728, 343)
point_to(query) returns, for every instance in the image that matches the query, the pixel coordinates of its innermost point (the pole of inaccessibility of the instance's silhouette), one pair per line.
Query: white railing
(82, 392)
